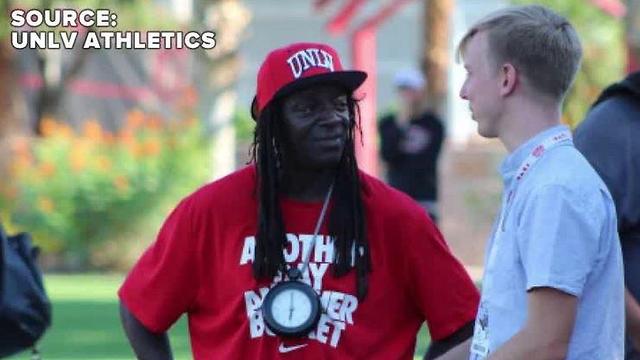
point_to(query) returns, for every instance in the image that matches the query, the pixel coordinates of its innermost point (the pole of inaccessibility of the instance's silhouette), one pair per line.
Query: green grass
(86, 323)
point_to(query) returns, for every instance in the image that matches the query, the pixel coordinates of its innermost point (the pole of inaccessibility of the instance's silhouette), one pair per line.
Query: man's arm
(146, 344)
(546, 334)
(451, 342)
(390, 137)
(632, 311)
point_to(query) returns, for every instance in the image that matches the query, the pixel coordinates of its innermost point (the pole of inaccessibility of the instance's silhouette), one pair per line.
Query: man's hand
(632, 311)
(546, 334)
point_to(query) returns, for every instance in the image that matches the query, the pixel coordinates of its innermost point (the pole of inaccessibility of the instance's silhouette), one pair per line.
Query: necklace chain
(294, 273)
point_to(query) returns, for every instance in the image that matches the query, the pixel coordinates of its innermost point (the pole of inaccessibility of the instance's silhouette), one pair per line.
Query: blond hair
(542, 45)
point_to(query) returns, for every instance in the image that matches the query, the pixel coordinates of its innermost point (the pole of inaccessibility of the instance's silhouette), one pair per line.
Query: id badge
(480, 343)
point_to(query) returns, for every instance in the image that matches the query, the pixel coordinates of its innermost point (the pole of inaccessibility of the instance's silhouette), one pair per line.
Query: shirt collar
(510, 164)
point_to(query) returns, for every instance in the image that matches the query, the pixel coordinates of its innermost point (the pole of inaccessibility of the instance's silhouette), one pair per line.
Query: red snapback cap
(297, 66)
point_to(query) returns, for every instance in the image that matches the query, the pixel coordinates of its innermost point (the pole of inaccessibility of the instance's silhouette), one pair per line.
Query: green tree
(219, 68)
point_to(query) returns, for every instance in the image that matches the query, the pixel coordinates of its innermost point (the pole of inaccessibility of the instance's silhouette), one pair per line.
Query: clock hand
(290, 306)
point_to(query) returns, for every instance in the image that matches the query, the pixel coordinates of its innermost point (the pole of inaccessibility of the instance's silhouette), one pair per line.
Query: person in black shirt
(411, 140)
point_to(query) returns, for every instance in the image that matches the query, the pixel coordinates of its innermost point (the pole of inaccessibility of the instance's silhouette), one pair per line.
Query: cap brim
(350, 80)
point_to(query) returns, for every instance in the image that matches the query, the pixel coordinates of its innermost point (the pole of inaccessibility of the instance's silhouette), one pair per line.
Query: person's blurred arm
(390, 138)
(546, 334)
(632, 311)
(145, 344)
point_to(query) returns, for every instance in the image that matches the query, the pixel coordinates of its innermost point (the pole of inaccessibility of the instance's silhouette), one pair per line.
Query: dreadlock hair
(346, 217)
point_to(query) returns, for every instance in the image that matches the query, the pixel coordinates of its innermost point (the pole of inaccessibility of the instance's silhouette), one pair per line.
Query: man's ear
(509, 77)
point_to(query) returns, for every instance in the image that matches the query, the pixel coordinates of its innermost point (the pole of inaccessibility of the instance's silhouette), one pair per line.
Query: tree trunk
(13, 117)
(221, 74)
(436, 35)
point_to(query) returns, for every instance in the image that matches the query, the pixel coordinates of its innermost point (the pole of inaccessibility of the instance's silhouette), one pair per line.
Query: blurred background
(97, 146)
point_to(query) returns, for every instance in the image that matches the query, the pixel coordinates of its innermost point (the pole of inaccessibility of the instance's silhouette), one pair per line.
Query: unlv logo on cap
(305, 59)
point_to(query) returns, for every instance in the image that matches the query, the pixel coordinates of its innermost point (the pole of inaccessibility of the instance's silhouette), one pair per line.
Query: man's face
(315, 123)
(409, 97)
(482, 86)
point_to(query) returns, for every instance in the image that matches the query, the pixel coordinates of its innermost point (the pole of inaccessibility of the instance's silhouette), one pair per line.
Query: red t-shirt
(201, 264)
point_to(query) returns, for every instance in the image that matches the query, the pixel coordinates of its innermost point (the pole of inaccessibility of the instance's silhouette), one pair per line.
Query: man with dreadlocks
(262, 275)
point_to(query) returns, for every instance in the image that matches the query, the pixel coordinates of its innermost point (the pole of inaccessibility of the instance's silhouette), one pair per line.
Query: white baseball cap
(409, 78)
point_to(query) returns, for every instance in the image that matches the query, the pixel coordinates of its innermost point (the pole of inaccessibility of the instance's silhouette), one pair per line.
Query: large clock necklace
(292, 308)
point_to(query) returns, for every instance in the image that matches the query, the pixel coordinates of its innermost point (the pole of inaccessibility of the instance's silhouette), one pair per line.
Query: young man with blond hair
(553, 284)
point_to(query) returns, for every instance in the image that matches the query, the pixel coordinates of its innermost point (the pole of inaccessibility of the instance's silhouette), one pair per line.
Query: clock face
(291, 308)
